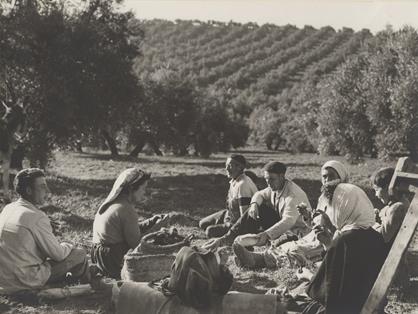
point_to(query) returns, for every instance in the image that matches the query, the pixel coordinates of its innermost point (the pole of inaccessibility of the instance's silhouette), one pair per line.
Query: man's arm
(289, 218)
(48, 243)
(244, 198)
(257, 199)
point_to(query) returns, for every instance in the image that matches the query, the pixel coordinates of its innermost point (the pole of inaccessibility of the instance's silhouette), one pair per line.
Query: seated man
(273, 210)
(307, 250)
(30, 254)
(241, 189)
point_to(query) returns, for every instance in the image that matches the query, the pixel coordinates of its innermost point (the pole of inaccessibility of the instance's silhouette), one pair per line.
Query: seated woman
(355, 254)
(116, 228)
(308, 249)
(391, 216)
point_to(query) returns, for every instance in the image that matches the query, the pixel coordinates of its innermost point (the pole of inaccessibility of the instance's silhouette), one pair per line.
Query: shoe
(247, 258)
(238, 262)
(96, 279)
(216, 231)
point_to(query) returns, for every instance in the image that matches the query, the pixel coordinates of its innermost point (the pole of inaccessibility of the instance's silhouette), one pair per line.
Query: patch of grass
(189, 185)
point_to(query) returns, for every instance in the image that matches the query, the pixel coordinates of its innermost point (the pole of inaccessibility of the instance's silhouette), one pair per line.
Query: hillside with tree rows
(250, 65)
(301, 89)
(240, 57)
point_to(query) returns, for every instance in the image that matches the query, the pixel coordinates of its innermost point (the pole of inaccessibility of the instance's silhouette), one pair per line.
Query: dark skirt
(347, 274)
(109, 258)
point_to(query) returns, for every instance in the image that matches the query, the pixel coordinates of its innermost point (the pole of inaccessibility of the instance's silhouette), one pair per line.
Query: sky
(356, 14)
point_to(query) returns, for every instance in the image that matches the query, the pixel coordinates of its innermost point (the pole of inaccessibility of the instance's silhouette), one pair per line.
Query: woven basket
(139, 267)
(147, 247)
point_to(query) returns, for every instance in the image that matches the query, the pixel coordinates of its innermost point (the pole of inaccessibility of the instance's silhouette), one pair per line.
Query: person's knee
(78, 255)
(216, 231)
(203, 224)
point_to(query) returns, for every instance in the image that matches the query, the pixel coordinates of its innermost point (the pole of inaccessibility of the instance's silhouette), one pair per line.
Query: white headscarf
(339, 168)
(126, 178)
(351, 208)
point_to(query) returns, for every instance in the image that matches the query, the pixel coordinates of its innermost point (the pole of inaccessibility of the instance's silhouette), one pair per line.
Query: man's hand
(253, 211)
(262, 239)
(56, 227)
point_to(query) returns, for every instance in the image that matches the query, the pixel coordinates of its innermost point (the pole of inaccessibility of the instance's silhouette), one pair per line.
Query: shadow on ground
(255, 283)
(212, 162)
(195, 195)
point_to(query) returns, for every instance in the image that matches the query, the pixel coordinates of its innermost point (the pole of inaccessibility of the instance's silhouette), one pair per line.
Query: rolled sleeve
(260, 196)
(48, 243)
(244, 197)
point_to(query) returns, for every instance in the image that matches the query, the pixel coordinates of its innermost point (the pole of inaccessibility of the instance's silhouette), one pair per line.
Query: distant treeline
(315, 90)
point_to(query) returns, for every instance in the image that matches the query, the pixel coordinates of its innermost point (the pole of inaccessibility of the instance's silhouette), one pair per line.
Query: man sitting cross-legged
(273, 212)
(241, 189)
(30, 254)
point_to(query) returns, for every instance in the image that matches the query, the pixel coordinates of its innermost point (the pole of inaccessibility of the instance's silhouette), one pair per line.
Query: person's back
(111, 227)
(30, 253)
(348, 272)
(22, 264)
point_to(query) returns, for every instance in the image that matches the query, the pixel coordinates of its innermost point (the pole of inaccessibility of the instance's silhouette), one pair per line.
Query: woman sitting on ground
(390, 217)
(355, 254)
(116, 228)
(307, 250)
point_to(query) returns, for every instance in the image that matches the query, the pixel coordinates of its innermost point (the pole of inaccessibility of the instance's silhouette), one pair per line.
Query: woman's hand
(304, 212)
(326, 221)
(304, 274)
(323, 235)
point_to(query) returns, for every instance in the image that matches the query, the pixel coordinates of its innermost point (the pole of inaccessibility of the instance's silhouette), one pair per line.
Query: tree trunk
(78, 146)
(137, 149)
(268, 143)
(18, 154)
(155, 147)
(111, 144)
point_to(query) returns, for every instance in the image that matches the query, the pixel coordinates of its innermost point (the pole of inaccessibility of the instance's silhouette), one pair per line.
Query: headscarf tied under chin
(339, 168)
(351, 208)
(126, 178)
(329, 188)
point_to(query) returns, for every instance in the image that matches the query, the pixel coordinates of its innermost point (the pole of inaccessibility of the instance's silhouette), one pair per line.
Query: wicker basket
(139, 267)
(147, 247)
